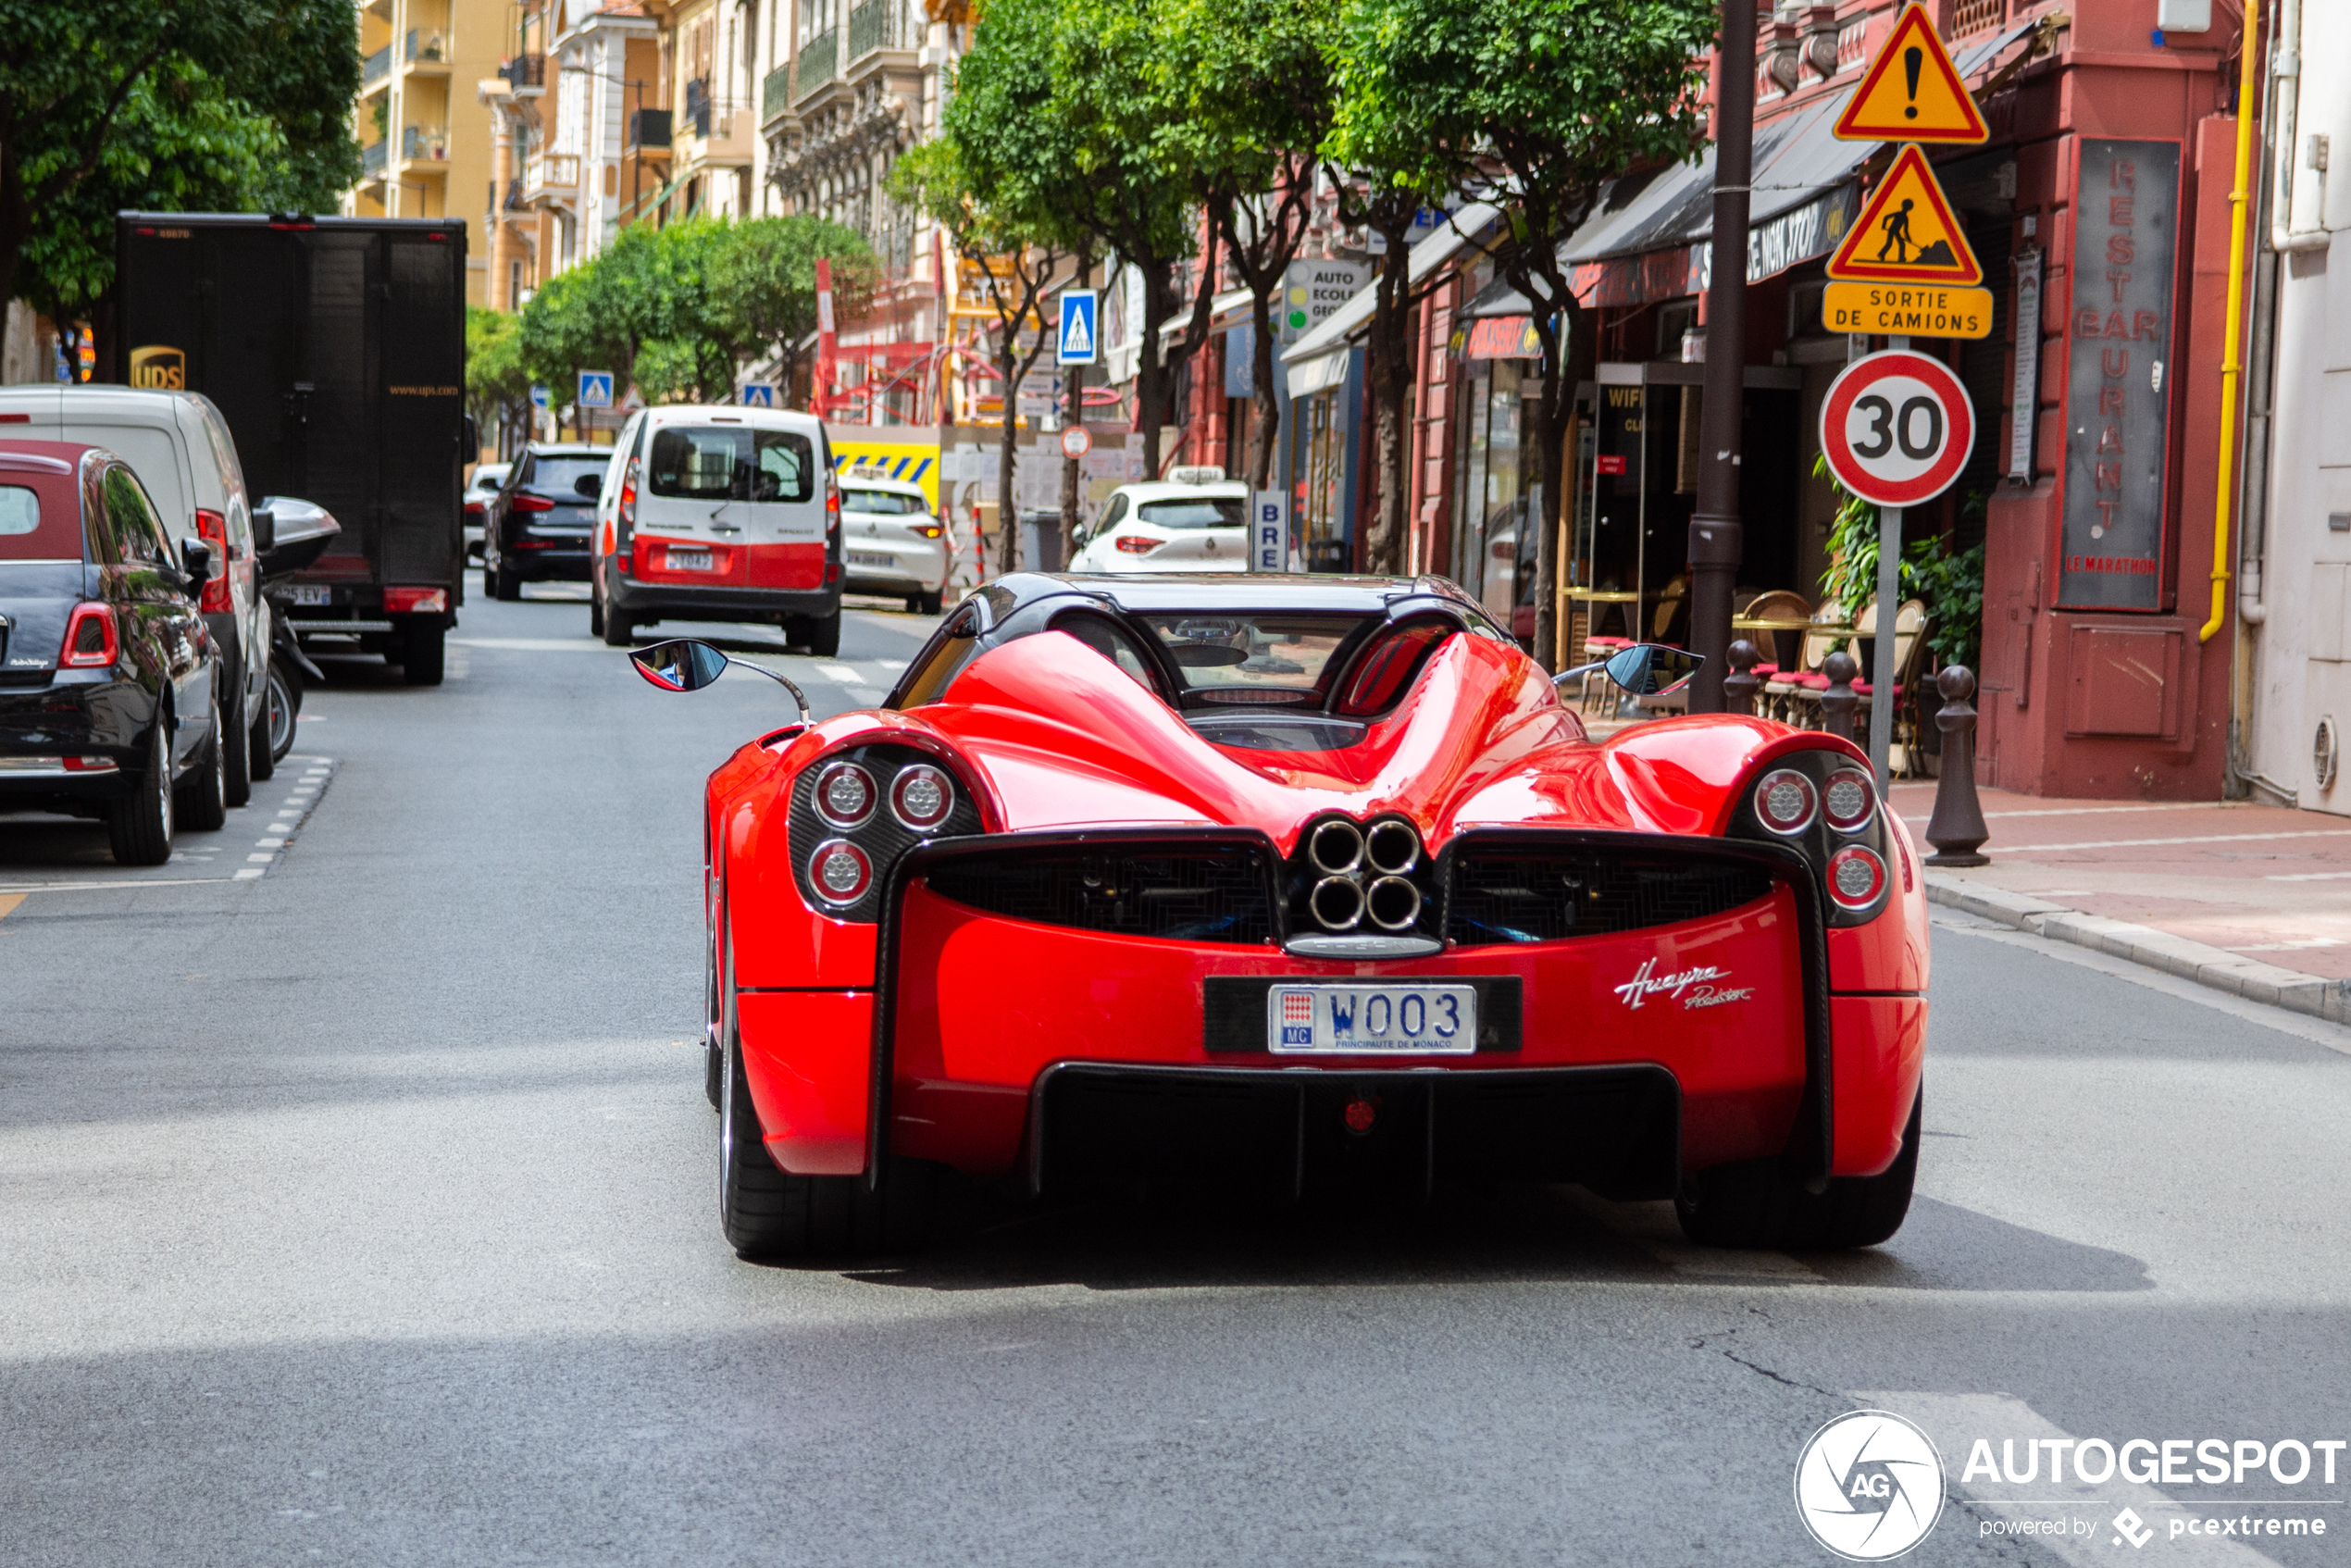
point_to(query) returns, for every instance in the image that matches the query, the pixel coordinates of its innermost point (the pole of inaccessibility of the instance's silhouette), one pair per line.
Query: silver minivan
(179, 446)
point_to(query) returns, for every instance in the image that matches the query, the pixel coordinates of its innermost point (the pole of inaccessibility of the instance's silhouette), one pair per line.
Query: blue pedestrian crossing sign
(1081, 309)
(759, 394)
(595, 389)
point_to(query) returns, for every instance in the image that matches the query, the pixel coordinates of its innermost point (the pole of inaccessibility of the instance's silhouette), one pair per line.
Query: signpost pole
(1889, 605)
(1716, 542)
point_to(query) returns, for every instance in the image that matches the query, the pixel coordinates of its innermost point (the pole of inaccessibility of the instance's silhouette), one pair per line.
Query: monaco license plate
(309, 594)
(1353, 1020)
(688, 560)
(869, 559)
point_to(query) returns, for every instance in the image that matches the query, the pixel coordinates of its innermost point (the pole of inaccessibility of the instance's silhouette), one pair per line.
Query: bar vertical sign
(1269, 531)
(2024, 395)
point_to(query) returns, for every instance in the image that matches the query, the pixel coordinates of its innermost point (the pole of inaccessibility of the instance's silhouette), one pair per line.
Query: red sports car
(1299, 883)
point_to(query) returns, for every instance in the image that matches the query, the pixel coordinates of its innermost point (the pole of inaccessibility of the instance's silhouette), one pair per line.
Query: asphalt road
(362, 1212)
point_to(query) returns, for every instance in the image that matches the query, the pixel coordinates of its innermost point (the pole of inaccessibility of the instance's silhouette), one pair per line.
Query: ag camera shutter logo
(1869, 1486)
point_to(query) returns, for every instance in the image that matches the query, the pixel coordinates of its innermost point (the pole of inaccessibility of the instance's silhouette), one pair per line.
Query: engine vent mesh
(1551, 895)
(1196, 896)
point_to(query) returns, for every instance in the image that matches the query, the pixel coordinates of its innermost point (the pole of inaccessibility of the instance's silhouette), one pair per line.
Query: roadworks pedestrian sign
(1907, 233)
(1912, 92)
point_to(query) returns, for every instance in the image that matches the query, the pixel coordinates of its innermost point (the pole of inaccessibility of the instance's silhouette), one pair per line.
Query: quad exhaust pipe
(1336, 904)
(1394, 903)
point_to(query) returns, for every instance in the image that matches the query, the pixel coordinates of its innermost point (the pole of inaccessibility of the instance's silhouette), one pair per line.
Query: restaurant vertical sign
(2117, 374)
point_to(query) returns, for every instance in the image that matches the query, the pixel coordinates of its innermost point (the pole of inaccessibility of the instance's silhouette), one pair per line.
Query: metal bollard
(1956, 828)
(1740, 686)
(1839, 701)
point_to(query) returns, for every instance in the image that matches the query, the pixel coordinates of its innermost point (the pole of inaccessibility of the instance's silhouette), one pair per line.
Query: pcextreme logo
(1869, 1486)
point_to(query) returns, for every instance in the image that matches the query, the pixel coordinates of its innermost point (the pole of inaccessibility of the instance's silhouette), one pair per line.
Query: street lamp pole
(1716, 542)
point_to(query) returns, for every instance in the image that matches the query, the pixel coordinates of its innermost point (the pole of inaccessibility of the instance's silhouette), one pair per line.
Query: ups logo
(160, 368)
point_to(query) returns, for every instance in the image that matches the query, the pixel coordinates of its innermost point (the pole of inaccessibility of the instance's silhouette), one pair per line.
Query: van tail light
(628, 509)
(213, 528)
(91, 641)
(415, 601)
(832, 507)
(526, 501)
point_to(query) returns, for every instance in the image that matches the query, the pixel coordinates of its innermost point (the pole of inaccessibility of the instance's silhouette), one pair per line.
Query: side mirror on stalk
(1645, 669)
(685, 664)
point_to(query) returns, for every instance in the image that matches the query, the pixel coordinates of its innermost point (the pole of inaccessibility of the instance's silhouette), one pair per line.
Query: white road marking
(537, 644)
(248, 876)
(2026, 852)
(848, 675)
(2312, 877)
(264, 859)
(269, 843)
(1955, 1421)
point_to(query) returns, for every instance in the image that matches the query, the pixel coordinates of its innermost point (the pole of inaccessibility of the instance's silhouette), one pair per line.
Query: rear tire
(236, 754)
(822, 634)
(595, 614)
(203, 794)
(1754, 1203)
(261, 762)
(504, 586)
(926, 604)
(768, 1213)
(285, 708)
(138, 828)
(619, 631)
(422, 648)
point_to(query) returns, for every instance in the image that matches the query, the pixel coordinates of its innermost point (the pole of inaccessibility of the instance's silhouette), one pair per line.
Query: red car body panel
(1047, 735)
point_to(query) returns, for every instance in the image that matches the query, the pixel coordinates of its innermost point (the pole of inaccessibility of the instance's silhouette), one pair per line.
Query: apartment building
(426, 141)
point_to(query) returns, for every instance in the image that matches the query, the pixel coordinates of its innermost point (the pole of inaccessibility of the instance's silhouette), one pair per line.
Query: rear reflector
(16, 418)
(415, 600)
(89, 765)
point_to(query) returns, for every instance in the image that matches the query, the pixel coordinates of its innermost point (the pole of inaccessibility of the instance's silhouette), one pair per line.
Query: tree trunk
(1260, 382)
(1007, 460)
(1391, 370)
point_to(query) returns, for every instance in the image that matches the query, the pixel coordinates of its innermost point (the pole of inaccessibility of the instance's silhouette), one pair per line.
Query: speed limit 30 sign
(1897, 428)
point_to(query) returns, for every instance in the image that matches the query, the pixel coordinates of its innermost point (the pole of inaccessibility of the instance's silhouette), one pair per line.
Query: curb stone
(2216, 967)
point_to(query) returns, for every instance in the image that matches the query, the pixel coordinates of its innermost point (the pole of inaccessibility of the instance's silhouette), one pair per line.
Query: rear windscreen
(39, 524)
(888, 502)
(716, 463)
(1207, 512)
(560, 476)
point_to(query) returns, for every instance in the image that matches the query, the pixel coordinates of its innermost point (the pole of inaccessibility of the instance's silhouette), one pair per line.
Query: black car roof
(1142, 594)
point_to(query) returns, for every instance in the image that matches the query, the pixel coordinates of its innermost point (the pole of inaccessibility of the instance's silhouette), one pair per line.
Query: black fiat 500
(109, 682)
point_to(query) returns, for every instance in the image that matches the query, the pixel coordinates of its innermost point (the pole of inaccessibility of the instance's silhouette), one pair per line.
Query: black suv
(536, 528)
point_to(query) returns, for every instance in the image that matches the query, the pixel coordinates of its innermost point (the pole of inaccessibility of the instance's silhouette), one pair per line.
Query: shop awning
(1320, 374)
(1428, 255)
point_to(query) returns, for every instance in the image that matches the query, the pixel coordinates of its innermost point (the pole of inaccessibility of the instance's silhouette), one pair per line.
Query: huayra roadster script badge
(1691, 988)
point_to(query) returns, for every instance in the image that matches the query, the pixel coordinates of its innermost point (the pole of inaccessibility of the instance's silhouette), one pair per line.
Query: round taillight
(921, 797)
(1786, 801)
(1847, 800)
(841, 871)
(845, 794)
(1856, 877)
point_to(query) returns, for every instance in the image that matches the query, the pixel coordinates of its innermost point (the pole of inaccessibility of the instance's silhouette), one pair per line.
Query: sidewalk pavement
(2254, 899)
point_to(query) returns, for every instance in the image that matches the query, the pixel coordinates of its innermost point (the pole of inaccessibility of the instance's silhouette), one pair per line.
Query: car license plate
(870, 558)
(688, 560)
(1352, 1020)
(310, 593)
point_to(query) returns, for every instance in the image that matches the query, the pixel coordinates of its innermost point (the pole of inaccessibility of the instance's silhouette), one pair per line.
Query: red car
(1299, 883)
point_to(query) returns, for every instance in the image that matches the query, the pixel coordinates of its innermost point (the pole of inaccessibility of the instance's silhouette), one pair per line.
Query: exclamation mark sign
(1913, 59)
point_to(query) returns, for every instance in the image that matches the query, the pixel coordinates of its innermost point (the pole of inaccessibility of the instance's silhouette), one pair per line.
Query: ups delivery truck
(336, 349)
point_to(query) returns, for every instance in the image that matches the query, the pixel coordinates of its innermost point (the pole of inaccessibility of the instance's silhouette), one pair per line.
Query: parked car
(535, 529)
(719, 515)
(1168, 527)
(179, 446)
(113, 689)
(891, 543)
(1308, 883)
(488, 481)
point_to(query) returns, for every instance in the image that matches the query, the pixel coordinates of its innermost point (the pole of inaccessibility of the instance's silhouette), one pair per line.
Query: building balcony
(527, 74)
(774, 96)
(374, 67)
(816, 65)
(425, 51)
(552, 176)
(372, 160)
(425, 143)
(878, 24)
(649, 133)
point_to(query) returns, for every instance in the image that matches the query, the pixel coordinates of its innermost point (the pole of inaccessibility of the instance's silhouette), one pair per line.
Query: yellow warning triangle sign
(1912, 92)
(1907, 233)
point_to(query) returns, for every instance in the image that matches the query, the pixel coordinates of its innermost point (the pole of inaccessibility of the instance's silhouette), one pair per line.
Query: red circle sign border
(1865, 373)
(1079, 437)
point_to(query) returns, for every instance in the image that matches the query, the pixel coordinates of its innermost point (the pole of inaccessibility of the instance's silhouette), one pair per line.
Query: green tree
(1254, 97)
(85, 85)
(1531, 105)
(1012, 251)
(497, 381)
(765, 282)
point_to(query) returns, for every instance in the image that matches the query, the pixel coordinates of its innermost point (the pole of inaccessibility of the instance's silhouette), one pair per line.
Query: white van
(719, 515)
(179, 446)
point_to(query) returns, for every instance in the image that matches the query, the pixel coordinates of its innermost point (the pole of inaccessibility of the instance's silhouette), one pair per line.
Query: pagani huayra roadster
(1299, 883)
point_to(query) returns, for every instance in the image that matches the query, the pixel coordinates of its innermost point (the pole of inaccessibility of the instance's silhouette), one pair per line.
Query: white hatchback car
(1169, 526)
(891, 543)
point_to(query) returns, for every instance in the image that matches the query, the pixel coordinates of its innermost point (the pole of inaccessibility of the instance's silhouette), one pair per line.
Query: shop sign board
(1892, 308)
(1313, 292)
(2024, 392)
(1912, 92)
(1897, 428)
(2118, 382)
(1268, 532)
(1908, 233)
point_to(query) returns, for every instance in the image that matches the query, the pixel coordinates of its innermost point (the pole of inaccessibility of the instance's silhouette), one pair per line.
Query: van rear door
(689, 524)
(785, 511)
